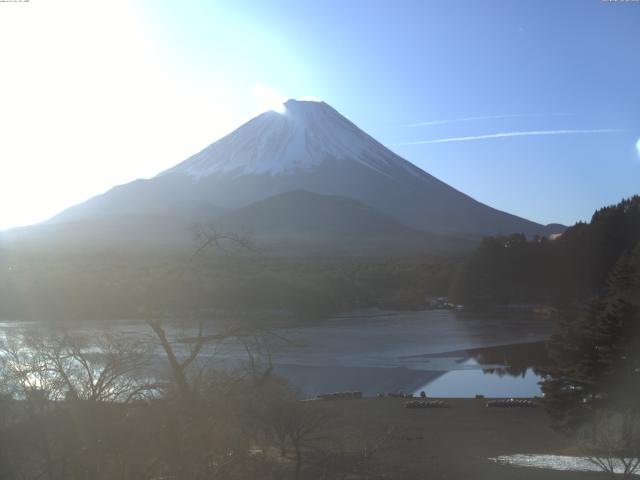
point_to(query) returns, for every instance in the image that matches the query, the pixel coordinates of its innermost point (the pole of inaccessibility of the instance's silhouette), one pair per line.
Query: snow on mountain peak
(303, 135)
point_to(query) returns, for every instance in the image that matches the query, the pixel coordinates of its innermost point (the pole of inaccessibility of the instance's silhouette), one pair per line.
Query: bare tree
(615, 452)
(212, 239)
(291, 423)
(205, 419)
(108, 368)
(342, 463)
(71, 394)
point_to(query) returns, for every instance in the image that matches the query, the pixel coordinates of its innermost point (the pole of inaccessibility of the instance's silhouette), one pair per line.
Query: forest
(592, 274)
(571, 268)
(107, 286)
(592, 390)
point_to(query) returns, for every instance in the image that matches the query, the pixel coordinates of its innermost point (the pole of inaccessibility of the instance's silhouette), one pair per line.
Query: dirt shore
(448, 443)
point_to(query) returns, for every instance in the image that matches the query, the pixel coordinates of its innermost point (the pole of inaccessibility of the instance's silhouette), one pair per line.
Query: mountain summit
(298, 139)
(308, 147)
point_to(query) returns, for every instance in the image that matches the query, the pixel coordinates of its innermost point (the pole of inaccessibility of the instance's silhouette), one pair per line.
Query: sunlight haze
(97, 94)
(319, 239)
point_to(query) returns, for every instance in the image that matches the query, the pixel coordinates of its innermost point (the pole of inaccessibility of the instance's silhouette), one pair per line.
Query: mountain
(135, 232)
(302, 221)
(295, 222)
(309, 147)
(301, 212)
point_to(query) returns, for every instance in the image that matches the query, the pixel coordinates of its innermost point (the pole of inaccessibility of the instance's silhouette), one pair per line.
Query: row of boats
(423, 402)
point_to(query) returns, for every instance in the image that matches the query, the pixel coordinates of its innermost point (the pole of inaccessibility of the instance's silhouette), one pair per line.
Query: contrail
(511, 134)
(486, 117)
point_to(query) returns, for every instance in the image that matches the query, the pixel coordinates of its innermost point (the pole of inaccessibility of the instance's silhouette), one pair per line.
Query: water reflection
(502, 371)
(513, 360)
(377, 352)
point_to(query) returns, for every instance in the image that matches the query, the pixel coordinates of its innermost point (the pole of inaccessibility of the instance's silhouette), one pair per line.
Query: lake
(446, 353)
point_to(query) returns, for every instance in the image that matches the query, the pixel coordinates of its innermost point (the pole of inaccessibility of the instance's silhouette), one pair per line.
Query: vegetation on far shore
(79, 408)
(106, 287)
(50, 285)
(571, 268)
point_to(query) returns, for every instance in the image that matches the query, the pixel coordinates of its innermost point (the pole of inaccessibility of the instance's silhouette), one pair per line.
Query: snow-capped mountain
(308, 147)
(300, 139)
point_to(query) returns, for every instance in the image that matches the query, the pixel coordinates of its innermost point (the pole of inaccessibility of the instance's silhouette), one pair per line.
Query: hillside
(574, 267)
(310, 147)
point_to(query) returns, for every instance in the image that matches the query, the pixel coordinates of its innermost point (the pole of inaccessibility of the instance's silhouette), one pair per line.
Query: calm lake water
(443, 352)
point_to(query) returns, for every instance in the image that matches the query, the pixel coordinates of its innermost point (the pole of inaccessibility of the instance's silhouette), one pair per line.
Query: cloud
(485, 117)
(511, 134)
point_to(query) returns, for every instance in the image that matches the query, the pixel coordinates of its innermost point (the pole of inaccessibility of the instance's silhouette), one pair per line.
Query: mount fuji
(306, 171)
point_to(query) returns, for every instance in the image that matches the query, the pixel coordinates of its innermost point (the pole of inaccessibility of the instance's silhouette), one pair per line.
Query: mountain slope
(304, 221)
(312, 147)
(301, 139)
(122, 232)
(309, 147)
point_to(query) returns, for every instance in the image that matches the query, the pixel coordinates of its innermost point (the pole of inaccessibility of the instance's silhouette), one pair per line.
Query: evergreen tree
(571, 388)
(513, 269)
(619, 345)
(596, 350)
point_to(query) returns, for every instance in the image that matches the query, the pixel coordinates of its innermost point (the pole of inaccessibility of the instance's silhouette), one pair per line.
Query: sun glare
(638, 146)
(268, 99)
(113, 95)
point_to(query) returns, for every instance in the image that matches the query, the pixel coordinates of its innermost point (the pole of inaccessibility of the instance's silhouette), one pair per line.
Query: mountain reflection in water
(502, 371)
(444, 352)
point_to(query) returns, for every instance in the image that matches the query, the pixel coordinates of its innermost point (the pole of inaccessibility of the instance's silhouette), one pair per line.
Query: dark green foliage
(618, 333)
(596, 350)
(105, 287)
(575, 266)
(504, 269)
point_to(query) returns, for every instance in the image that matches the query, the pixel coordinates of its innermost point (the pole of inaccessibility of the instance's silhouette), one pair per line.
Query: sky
(532, 107)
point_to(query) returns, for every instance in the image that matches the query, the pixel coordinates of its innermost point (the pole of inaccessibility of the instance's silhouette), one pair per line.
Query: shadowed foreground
(443, 443)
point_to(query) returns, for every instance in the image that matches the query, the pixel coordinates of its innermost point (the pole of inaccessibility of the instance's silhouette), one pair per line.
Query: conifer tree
(596, 350)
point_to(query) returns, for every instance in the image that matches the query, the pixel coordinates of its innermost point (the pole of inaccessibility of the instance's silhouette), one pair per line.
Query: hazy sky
(529, 106)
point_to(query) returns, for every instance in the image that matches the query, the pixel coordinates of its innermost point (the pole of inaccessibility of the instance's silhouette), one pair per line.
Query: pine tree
(571, 387)
(596, 350)
(619, 345)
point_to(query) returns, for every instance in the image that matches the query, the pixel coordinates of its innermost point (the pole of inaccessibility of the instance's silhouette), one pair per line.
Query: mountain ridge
(298, 219)
(309, 147)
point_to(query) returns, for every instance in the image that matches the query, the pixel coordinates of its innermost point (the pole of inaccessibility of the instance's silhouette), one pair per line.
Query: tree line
(593, 390)
(592, 273)
(574, 267)
(35, 286)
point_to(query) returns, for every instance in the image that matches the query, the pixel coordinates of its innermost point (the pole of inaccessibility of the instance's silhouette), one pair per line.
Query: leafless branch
(208, 238)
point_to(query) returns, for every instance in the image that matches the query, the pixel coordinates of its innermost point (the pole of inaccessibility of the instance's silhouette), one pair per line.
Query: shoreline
(451, 443)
